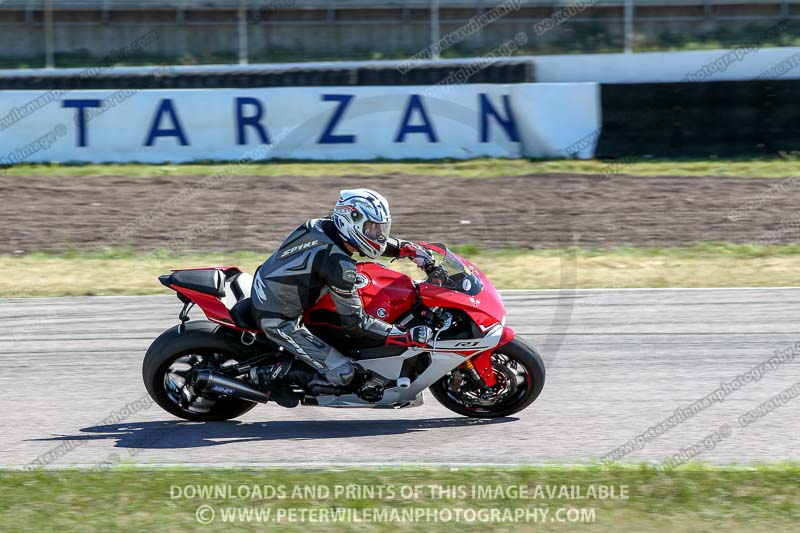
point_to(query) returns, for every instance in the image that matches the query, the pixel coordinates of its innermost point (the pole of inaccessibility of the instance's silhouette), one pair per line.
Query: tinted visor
(377, 232)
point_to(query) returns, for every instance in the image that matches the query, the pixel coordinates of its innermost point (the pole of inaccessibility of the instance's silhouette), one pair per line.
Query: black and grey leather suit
(313, 260)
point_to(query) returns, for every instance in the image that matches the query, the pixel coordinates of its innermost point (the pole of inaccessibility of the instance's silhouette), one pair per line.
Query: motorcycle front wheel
(520, 374)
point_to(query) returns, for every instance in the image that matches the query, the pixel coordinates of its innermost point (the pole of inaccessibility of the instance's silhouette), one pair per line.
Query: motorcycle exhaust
(221, 384)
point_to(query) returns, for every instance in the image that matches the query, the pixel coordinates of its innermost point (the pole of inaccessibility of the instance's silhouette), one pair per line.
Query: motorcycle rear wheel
(170, 359)
(520, 376)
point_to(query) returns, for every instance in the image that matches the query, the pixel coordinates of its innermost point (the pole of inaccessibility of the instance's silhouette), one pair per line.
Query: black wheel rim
(177, 380)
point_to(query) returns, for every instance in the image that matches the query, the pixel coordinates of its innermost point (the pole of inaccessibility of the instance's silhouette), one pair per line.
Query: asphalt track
(619, 361)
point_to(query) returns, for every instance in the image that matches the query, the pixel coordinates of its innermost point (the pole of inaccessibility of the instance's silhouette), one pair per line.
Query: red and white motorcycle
(200, 369)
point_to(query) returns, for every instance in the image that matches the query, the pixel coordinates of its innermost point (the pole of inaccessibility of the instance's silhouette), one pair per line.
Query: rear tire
(524, 355)
(200, 338)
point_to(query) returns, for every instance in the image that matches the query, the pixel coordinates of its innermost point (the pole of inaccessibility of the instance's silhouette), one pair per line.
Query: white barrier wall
(737, 64)
(747, 62)
(558, 120)
(325, 123)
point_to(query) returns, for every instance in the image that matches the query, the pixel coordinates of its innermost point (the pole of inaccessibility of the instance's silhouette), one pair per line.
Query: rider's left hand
(418, 336)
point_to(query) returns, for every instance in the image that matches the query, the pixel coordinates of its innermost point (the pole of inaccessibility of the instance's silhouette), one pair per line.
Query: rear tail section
(223, 293)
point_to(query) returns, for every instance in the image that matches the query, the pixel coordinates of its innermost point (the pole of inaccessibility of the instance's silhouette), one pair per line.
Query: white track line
(502, 291)
(327, 466)
(610, 289)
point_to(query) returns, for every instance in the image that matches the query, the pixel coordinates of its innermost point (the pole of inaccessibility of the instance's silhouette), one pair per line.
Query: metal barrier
(456, 72)
(249, 29)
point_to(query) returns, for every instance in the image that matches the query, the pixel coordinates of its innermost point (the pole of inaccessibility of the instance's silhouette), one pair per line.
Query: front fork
(480, 366)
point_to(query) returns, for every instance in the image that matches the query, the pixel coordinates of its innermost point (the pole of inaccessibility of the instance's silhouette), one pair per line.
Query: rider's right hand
(419, 255)
(425, 264)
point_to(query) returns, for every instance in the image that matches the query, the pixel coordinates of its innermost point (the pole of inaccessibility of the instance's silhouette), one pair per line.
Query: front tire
(174, 353)
(520, 372)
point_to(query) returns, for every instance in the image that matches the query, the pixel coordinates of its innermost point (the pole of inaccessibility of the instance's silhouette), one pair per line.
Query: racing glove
(418, 336)
(418, 255)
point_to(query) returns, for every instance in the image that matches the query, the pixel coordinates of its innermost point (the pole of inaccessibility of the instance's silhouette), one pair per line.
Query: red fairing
(508, 336)
(386, 294)
(214, 309)
(486, 308)
(212, 306)
(483, 365)
(483, 362)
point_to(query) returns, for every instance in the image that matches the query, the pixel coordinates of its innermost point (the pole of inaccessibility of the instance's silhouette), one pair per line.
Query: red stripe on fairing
(392, 340)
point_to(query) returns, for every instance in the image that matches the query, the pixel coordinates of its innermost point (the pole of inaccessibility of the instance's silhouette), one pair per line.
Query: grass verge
(765, 167)
(117, 272)
(693, 498)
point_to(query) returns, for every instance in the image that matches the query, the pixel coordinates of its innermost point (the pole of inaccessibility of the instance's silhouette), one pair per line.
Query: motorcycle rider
(315, 258)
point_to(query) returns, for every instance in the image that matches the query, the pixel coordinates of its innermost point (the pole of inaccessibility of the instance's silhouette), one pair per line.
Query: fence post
(629, 26)
(242, 20)
(434, 29)
(49, 38)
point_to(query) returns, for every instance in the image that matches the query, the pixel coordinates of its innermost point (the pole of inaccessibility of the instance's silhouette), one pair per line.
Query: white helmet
(362, 218)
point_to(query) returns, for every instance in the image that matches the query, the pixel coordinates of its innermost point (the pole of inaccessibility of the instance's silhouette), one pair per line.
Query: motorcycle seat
(242, 314)
(240, 284)
(209, 281)
(237, 287)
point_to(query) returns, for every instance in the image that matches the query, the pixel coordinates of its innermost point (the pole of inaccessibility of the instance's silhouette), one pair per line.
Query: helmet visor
(377, 231)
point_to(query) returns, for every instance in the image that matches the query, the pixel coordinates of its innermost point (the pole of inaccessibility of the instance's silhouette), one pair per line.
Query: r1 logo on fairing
(466, 344)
